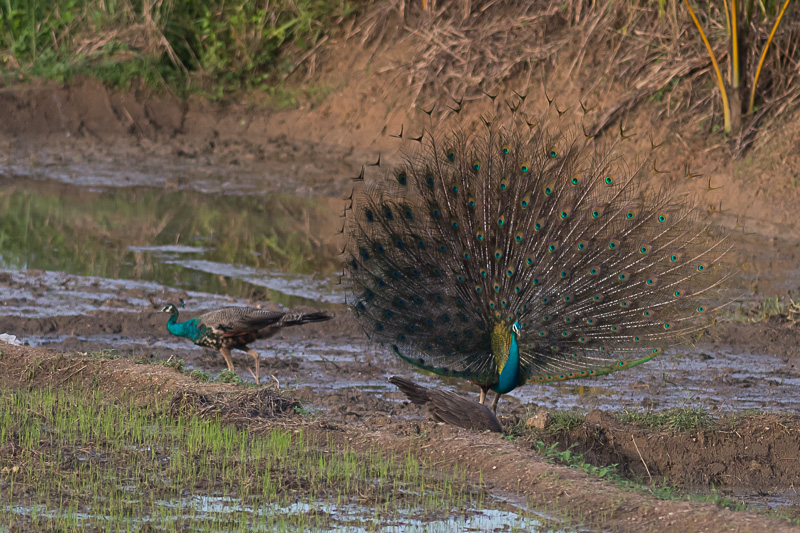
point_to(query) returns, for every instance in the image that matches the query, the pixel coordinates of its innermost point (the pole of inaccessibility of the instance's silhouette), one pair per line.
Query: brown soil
(506, 467)
(314, 150)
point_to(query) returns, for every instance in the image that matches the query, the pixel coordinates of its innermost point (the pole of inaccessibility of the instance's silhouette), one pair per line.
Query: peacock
(449, 407)
(516, 248)
(234, 328)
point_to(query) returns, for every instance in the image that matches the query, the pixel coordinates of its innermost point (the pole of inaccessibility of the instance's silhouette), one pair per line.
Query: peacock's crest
(511, 220)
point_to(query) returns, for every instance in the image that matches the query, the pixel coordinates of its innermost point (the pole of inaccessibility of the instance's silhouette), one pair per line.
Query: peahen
(234, 328)
(510, 250)
(449, 407)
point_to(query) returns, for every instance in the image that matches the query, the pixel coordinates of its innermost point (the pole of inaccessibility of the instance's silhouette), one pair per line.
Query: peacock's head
(516, 329)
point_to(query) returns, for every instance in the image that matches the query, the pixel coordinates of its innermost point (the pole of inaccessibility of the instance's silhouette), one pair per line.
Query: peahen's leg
(484, 390)
(494, 403)
(257, 359)
(226, 353)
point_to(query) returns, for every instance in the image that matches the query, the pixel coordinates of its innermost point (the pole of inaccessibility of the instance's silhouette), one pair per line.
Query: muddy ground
(506, 467)
(169, 143)
(752, 457)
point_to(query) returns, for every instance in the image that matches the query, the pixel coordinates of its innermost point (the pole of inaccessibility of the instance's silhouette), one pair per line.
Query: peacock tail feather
(528, 222)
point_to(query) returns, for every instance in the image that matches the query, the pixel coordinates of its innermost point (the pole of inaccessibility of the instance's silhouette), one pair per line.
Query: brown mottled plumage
(449, 407)
(234, 328)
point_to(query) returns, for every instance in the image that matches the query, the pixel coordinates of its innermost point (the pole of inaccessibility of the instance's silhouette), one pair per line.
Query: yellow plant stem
(734, 45)
(764, 56)
(727, 29)
(726, 108)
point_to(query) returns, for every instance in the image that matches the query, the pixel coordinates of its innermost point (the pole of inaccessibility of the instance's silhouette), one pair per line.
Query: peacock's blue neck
(188, 329)
(510, 376)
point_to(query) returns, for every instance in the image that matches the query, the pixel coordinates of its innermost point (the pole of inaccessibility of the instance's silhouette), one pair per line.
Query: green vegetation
(678, 418)
(574, 460)
(72, 460)
(224, 376)
(770, 308)
(564, 420)
(199, 375)
(213, 46)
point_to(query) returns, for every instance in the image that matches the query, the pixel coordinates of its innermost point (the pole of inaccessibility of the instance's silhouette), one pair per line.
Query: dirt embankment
(316, 148)
(505, 466)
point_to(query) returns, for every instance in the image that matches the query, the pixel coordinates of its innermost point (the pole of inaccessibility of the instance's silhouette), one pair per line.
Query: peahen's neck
(188, 329)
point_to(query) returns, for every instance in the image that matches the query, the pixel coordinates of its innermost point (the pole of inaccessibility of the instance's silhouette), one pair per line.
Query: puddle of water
(100, 175)
(338, 517)
(773, 500)
(275, 245)
(35, 293)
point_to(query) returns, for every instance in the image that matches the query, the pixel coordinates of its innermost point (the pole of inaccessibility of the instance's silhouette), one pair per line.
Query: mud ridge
(506, 467)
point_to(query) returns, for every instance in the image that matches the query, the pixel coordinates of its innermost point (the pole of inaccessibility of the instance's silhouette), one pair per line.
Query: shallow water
(351, 518)
(269, 246)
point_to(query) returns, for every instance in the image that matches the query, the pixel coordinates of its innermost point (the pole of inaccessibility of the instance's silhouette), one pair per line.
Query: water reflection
(185, 239)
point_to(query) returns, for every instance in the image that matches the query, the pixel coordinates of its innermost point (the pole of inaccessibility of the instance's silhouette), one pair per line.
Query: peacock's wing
(235, 321)
(513, 221)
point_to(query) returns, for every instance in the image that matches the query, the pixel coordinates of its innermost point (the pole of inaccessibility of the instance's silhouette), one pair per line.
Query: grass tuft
(678, 418)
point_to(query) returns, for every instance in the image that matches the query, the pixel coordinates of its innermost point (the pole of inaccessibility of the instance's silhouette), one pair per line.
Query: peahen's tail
(296, 319)
(449, 407)
(416, 393)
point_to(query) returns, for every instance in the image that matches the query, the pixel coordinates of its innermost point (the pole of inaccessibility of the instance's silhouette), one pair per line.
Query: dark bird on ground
(449, 407)
(513, 249)
(234, 328)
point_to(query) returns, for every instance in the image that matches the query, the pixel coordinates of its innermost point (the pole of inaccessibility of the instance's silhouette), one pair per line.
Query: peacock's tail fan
(519, 220)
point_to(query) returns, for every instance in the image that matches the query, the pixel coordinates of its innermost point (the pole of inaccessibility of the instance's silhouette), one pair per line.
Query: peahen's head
(171, 309)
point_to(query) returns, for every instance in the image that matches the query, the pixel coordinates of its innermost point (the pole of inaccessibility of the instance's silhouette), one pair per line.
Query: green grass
(109, 353)
(73, 460)
(209, 46)
(199, 375)
(564, 421)
(678, 418)
(224, 376)
(574, 460)
(771, 307)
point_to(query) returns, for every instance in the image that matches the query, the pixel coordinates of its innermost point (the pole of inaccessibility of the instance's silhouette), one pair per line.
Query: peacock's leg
(258, 364)
(494, 403)
(226, 353)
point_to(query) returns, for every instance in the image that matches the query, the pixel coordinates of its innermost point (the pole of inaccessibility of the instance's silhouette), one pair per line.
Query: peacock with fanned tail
(509, 250)
(234, 328)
